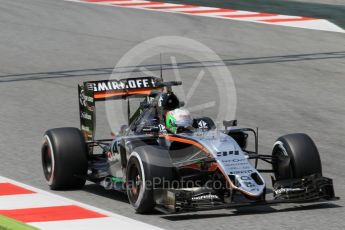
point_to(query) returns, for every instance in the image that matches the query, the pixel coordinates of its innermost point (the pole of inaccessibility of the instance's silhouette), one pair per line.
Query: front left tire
(148, 168)
(296, 156)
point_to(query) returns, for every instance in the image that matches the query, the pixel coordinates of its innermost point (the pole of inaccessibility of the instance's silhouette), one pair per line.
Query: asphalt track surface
(288, 80)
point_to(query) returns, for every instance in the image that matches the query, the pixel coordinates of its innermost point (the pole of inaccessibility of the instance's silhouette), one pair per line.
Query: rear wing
(92, 91)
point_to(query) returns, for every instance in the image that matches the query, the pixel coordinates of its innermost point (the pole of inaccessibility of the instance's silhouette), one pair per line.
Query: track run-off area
(224, 13)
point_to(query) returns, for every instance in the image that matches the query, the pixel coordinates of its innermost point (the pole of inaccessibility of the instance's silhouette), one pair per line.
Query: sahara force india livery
(189, 167)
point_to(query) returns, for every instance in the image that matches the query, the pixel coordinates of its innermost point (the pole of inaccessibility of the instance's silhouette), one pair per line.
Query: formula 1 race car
(167, 160)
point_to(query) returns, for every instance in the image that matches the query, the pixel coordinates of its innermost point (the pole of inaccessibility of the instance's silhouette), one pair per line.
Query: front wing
(310, 189)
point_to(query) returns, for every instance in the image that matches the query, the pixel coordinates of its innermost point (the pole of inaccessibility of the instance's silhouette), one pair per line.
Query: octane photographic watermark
(207, 87)
(161, 183)
(207, 90)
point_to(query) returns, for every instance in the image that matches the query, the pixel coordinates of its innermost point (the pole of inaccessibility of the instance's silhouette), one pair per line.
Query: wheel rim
(282, 168)
(134, 182)
(47, 161)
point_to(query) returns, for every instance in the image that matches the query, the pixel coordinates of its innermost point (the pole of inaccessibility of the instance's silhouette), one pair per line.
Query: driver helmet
(178, 119)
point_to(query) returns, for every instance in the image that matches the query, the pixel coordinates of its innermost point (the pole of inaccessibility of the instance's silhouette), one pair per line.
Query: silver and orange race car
(194, 168)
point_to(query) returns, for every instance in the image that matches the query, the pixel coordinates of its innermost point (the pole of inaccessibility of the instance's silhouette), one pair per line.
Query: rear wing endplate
(92, 91)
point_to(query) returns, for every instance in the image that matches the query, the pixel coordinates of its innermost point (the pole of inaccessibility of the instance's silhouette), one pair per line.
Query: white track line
(321, 24)
(108, 223)
(34, 200)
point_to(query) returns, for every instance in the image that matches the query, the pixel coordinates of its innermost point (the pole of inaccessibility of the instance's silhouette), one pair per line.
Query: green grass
(11, 224)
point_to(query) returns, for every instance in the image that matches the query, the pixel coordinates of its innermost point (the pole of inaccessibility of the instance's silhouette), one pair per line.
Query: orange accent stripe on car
(100, 95)
(187, 141)
(213, 166)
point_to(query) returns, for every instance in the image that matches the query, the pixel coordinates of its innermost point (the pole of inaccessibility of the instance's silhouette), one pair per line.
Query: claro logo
(83, 99)
(86, 116)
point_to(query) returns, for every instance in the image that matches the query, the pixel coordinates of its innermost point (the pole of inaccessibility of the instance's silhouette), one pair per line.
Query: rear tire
(64, 158)
(297, 157)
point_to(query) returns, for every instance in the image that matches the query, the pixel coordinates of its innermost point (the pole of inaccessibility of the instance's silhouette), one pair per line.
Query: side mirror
(228, 124)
